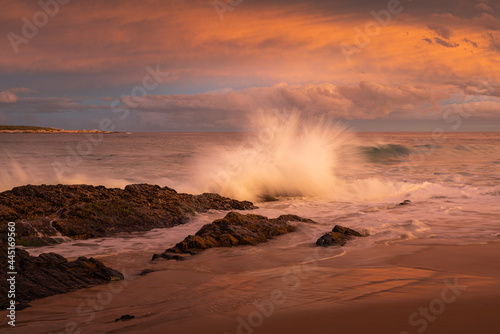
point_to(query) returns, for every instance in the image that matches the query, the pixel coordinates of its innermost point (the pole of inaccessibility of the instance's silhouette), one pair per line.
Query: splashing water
(284, 155)
(11, 173)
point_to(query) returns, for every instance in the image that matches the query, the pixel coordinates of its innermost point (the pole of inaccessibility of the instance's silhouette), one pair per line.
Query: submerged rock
(46, 214)
(125, 317)
(168, 256)
(346, 231)
(233, 230)
(144, 272)
(48, 274)
(268, 198)
(338, 236)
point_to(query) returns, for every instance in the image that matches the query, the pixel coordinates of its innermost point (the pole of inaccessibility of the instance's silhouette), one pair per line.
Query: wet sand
(273, 288)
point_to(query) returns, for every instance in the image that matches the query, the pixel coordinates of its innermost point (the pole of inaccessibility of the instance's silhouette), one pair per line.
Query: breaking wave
(283, 155)
(292, 155)
(383, 152)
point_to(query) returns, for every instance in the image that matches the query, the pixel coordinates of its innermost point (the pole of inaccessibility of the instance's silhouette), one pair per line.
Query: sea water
(309, 167)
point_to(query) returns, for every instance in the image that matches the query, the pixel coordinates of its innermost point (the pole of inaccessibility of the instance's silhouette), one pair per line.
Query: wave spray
(284, 154)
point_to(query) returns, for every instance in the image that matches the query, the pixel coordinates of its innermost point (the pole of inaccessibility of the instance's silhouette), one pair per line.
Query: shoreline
(209, 295)
(280, 286)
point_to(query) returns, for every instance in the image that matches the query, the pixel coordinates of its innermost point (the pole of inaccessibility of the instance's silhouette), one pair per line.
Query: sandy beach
(398, 289)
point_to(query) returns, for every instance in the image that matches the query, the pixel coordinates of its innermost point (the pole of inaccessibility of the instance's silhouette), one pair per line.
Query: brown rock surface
(338, 236)
(233, 230)
(45, 212)
(48, 274)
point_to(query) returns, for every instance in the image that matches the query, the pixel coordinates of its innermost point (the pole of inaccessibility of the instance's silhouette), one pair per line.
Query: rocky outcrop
(46, 213)
(233, 230)
(48, 274)
(38, 129)
(338, 236)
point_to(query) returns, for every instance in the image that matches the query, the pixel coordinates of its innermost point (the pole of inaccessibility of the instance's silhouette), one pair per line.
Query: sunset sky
(374, 65)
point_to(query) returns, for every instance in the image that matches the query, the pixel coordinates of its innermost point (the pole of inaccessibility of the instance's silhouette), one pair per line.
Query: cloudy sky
(205, 65)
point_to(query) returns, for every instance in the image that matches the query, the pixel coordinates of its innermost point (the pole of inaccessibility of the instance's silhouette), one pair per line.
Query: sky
(209, 65)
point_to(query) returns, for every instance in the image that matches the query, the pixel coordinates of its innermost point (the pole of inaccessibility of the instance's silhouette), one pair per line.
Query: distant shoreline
(37, 129)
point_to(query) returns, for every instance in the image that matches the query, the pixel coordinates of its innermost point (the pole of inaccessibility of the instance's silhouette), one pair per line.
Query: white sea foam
(284, 155)
(292, 155)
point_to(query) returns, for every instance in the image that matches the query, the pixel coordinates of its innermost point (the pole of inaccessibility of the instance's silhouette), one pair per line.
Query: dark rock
(339, 236)
(50, 274)
(333, 238)
(405, 202)
(168, 256)
(45, 214)
(125, 317)
(346, 231)
(268, 198)
(144, 272)
(233, 230)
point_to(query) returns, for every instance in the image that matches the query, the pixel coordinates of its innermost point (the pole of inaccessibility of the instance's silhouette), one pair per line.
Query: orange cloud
(10, 95)
(485, 7)
(398, 68)
(366, 100)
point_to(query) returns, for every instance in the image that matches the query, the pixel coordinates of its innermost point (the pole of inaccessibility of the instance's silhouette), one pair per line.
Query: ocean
(320, 171)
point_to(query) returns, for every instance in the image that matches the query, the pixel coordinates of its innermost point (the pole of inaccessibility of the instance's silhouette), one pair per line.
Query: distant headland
(38, 129)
